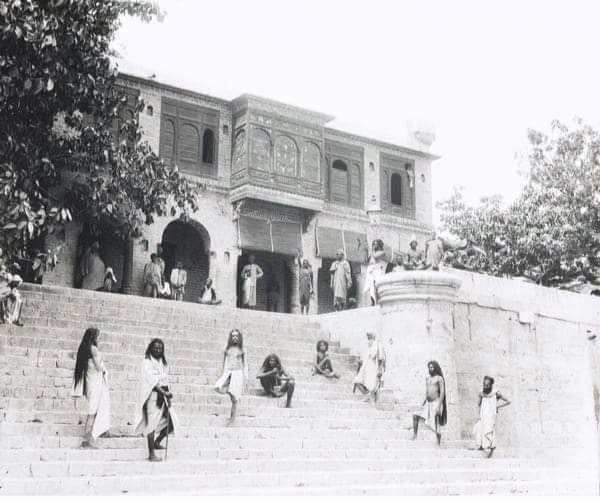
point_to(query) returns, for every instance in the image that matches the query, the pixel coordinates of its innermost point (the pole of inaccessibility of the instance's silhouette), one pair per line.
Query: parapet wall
(536, 342)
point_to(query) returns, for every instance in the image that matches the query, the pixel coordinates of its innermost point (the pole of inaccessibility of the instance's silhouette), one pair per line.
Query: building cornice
(332, 133)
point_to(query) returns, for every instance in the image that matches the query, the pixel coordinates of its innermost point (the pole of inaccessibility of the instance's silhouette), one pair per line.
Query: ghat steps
(330, 442)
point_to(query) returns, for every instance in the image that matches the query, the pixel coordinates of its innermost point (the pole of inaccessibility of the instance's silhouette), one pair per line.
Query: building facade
(275, 181)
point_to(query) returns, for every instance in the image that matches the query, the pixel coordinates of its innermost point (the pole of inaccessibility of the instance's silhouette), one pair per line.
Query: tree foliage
(59, 108)
(551, 233)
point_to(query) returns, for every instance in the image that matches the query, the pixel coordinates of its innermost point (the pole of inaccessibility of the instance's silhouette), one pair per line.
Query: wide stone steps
(330, 442)
(354, 474)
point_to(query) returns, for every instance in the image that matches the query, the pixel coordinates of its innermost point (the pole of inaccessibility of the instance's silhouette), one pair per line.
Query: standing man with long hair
(434, 412)
(368, 380)
(154, 413)
(89, 381)
(235, 371)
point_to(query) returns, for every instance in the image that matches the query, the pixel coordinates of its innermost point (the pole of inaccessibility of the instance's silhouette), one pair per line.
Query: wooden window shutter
(355, 186)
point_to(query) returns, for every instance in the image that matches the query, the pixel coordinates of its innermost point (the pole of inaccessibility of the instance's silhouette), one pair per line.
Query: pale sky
(483, 72)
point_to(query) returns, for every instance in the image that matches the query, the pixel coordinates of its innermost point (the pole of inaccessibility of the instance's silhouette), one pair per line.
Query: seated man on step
(275, 380)
(208, 294)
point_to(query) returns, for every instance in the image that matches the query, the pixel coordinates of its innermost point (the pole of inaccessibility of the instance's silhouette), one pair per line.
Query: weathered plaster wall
(534, 341)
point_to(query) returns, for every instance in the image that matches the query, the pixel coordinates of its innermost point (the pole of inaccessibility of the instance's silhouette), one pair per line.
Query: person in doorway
(323, 365)
(39, 266)
(92, 268)
(341, 280)
(377, 264)
(11, 303)
(161, 262)
(235, 371)
(208, 294)
(434, 251)
(434, 413)
(89, 381)
(273, 295)
(274, 379)
(251, 273)
(154, 411)
(414, 256)
(305, 285)
(152, 277)
(109, 280)
(178, 281)
(485, 428)
(369, 378)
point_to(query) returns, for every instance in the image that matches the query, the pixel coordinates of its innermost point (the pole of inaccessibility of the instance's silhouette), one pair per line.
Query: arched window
(167, 141)
(208, 146)
(396, 189)
(188, 144)
(339, 182)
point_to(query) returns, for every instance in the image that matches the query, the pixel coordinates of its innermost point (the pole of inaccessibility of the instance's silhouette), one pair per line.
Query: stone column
(418, 326)
(293, 290)
(127, 280)
(316, 263)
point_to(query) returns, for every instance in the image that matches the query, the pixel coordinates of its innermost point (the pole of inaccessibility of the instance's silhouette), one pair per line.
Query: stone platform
(330, 442)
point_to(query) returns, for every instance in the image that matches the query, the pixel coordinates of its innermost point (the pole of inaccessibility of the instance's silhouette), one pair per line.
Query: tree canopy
(551, 233)
(67, 149)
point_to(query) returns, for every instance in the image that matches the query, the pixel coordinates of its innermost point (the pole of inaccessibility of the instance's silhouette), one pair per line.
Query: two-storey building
(276, 181)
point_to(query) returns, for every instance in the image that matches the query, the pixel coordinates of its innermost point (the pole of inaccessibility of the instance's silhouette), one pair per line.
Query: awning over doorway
(330, 239)
(269, 236)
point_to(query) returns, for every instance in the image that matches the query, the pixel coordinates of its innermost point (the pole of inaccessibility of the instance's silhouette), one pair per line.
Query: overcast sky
(483, 72)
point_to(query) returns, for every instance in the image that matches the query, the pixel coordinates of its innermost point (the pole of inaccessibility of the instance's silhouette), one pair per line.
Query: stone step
(422, 450)
(549, 487)
(55, 353)
(155, 481)
(129, 341)
(176, 465)
(31, 440)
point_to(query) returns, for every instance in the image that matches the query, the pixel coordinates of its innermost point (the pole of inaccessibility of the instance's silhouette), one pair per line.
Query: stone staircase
(330, 442)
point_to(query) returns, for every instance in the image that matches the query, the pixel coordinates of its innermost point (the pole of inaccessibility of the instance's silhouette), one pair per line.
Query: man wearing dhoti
(251, 273)
(90, 381)
(485, 428)
(370, 373)
(414, 256)
(235, 371)
(341, 280)
(178, 281)
(154, 412)
(11, 302)
(305, 285)
(376, 268)
(434, 251)
(434, 412)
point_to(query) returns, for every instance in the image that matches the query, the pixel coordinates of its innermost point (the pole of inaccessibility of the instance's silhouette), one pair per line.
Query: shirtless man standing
(434, 411)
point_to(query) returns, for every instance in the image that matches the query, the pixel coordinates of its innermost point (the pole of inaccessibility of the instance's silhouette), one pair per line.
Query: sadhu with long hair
(275, 380)
(235, 371)
(154, 412)
(434, 412)
(89, 381)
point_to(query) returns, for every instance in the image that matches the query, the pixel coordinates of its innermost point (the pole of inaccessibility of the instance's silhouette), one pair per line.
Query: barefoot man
(434, 411)
(490, 402)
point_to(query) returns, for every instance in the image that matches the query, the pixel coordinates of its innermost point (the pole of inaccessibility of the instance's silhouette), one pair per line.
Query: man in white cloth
(90, 381)
(377, 264)
(11, 302)
(434, 251)
(434, 412)
(154, 412)
(235, 371)
(92, 268)
(485, 428)
(414, 256)
(251, 273)
(341, 280)
(178, 281)
(372, 366)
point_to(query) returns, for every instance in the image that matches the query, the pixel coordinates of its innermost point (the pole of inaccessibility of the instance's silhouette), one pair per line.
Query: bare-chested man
(434, 411)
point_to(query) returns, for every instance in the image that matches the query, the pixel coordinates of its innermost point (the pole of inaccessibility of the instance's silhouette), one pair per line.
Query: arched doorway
(188, 242)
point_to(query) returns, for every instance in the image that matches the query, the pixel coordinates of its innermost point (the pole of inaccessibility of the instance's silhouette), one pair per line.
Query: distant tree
(62, 124)
(551, 233)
